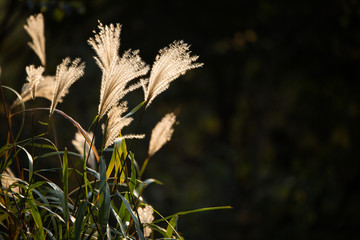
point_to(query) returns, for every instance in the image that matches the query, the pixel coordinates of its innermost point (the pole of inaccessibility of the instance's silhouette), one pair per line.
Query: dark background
(269, 125)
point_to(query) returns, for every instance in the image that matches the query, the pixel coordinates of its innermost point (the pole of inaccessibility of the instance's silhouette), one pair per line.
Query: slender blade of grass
(114, 160)
(79, 223)
(60, 199)
(132, 182)
(39, 230)
(65, 179)
(30, 160)
(171, 227)
(104, 197)
(135, 109)
(133, 216)
(118, 219)
(194, 211)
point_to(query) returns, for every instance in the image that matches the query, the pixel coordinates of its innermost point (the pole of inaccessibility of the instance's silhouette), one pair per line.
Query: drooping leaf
(31, 162)
(22, 107)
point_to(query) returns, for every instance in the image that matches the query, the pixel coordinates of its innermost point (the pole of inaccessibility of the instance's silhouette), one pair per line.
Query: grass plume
(115, 123)
(161, 133)
(44, 89)
(34, 76)
(117, 72)
(35, 28)
(171, 62)
(66, 74)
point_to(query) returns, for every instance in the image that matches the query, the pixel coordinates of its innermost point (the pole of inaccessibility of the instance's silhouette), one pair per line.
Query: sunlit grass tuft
(96, 192)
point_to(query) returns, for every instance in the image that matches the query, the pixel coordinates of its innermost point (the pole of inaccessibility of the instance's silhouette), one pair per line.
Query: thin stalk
(144, 166)
(7, 116)
(92, 140)
(88, 155)
(42, 143)
(33, 129)
(54, 131)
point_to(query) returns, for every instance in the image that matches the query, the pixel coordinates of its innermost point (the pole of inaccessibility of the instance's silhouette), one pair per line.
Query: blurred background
(270, 125)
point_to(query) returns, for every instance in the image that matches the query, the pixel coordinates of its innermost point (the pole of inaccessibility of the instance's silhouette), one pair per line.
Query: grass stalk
(8, 116)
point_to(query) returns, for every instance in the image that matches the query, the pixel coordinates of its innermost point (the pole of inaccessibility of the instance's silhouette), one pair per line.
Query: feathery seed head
(34, 76)
(170, 63)
(35, 28)
(146, 216)
(44, 89)
(66, 74)
(115, 80)
(106, 44)
(117, 72)
(161, 133)
(115, 123)
(7, 179)
(130, 136)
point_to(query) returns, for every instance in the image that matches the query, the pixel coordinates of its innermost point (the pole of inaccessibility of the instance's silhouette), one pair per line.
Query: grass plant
(107, 202)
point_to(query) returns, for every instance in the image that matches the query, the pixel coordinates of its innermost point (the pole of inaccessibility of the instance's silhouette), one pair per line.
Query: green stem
(144, 166)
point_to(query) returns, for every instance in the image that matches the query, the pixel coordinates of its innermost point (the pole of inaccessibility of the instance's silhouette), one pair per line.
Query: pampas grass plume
(35, 28)
(170, 63)
(34, 76)
(161, 133)
(66, 74)
(117, 72)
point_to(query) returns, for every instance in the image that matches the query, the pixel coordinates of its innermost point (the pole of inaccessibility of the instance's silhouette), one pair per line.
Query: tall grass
(107, 201)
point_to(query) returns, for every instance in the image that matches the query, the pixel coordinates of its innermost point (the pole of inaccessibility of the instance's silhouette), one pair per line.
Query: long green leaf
(135, 109)
(135, 219)
(60, 199)
(53, 214)
(36, 185)
(65, 179)
(93, 172)
(79, 223)
(194, 211)
(171, 227)
(46, 155)
(118, 219)
(132, 182)
(39, 230)
(50, 234)
(114, 160)
(104, 197)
